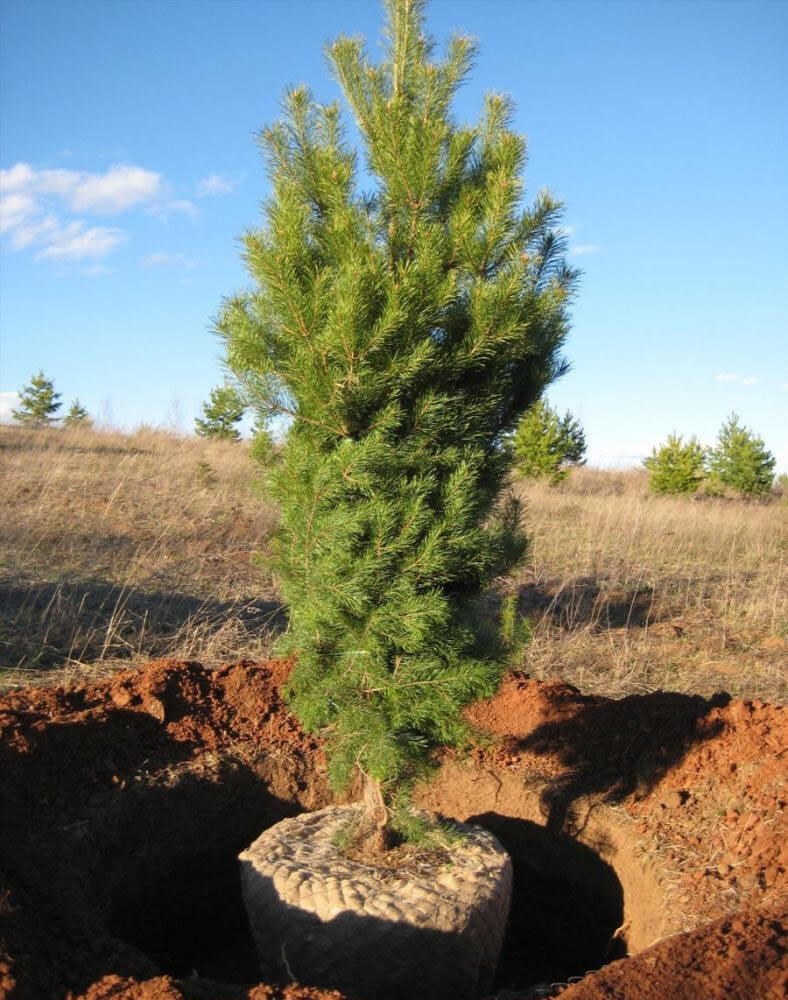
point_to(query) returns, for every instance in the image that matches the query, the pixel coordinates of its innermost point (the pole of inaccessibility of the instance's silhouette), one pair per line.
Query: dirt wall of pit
(647, 834)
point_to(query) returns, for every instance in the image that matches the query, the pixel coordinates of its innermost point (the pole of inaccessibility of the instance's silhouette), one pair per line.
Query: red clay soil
(124, 803)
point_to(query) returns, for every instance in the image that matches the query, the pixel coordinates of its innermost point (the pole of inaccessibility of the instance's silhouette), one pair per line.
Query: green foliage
(38, 402)
(741, 461)
(544, 443)
(224, 409)
(404, 330)
(205, 474)
(675, 467)
(77, 416)
(574, 440)
(261, 447)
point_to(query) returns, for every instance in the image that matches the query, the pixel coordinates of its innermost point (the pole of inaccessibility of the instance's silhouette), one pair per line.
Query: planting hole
(179, 899)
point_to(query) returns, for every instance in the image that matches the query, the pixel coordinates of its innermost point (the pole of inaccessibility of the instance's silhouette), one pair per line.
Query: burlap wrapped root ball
(323, 920)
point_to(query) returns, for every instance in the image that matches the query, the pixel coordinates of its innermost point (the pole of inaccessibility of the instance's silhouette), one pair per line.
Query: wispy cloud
(167, 260)
(113, 191)
(33, 204)
(215, 184)
(74, 242)
(8, 401)
(585, 248)
(731, 377)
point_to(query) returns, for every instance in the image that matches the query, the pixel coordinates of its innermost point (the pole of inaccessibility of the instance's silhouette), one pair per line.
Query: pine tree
(38, 402)
(224, 409)
(77, 416)
(675, 467)
(741, 460)
(404, 330)
(574, 436)
(545, 444)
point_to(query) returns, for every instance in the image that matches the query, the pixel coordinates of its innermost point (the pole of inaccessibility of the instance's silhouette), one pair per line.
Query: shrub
(675, 467)
(77, 416)
(545, 444)
(741, 461)
(403, 331)
(224, 409)
(38, 402)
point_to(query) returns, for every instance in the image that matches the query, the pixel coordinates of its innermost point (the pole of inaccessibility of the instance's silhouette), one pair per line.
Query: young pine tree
(404, 330)
(221, 413)
(741, 460)
(38, 402)
(675, 467)
(545, 444)
(77, 416)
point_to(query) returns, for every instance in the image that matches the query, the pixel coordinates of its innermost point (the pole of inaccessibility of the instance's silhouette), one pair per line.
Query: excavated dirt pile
(647, 836)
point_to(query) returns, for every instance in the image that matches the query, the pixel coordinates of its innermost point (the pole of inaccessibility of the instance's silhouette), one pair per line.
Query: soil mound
(632, 824)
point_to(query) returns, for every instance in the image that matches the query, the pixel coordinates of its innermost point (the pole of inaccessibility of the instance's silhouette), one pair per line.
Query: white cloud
(33, 203)
(583, 249)
(26, 235)
(74, 242)
(117, 189)
(215, 184)
(113, 191)
(15, 210)
(167, 260)
(727, 377)
(8, 401)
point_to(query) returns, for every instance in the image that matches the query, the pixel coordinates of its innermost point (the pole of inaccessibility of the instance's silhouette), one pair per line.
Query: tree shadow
(118, 848)
(45, 625)
(614, 749)
(586, 603)
(567, 903)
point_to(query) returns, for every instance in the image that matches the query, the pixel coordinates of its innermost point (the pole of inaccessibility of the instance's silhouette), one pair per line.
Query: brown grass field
(117, 548)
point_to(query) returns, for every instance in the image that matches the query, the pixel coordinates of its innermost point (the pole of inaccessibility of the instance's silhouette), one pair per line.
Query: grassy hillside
(118, 548)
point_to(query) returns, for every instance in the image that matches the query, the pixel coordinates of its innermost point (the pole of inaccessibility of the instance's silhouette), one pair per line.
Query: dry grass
(629, 592)
(118, 548)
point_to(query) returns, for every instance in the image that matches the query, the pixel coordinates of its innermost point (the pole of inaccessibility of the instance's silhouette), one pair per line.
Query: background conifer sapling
(403, 330)
(77, 416)
(221, 413)
(675, 467)
(38, 402)
(545, 444)
(741, 460)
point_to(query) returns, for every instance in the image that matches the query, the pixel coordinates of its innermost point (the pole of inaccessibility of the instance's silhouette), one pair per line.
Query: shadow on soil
(118, 854)
(614, 749)
(566, 905)
(45, 625)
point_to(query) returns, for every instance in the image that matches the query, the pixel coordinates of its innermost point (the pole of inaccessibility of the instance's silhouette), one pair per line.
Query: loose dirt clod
(654, 813)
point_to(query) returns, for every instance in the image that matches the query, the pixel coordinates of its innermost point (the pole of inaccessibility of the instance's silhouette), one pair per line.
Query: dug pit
(124, 806)
(175, 891)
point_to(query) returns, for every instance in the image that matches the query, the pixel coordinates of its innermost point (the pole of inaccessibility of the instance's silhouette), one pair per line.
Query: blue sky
(130, 170)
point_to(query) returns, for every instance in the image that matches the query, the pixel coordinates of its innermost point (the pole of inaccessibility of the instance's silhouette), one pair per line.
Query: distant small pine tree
(741, 460)
(224, 409)
(675, 467)
(545, 444)
(574, 440)
(38, 402)
(77, 416)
